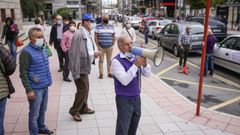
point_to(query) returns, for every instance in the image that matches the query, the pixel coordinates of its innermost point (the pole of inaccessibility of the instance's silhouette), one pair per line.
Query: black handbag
(11, 88)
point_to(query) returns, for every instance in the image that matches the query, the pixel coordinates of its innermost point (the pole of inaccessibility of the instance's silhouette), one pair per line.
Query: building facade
(10, 8)
(90, 6)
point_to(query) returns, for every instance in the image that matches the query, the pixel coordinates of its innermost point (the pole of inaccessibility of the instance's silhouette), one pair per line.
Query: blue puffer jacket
(39, 73)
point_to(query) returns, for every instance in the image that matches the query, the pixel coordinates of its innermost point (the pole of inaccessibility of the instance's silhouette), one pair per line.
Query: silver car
(155, 26)
(168, 37)
(227, 53)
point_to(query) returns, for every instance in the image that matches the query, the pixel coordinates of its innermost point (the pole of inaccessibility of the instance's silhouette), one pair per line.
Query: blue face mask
(39, 42)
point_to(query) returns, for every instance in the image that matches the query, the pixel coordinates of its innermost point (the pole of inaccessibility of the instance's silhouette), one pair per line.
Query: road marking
(170, 59)
(167, 69)
(224, 103)
(205, 85)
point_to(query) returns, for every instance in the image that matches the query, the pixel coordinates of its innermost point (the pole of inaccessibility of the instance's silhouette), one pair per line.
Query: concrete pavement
(164, 111)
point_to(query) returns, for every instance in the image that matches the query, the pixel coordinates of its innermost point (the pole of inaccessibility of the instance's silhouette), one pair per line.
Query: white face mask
(72, 28)
(59, 22)
(129, 55)
(128, 26)
(92, 26)
(39, 42)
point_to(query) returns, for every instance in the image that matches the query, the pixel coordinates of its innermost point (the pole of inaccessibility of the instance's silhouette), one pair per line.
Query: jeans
(13, 48)
(3, 102)
(37, 109)
(129, 113)
(209, 64)
(146, 38)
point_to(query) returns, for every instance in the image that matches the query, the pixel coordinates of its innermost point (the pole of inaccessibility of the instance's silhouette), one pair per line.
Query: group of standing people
(76, 51)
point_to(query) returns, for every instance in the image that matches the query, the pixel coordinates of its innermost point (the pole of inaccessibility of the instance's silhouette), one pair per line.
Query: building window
(72, 2)
(13, 14)
(3, 14)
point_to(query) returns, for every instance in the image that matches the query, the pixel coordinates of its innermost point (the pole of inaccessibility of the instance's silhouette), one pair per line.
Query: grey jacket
(79, 61)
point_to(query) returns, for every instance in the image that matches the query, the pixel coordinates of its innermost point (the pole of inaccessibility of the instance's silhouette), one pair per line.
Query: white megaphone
(156, 55)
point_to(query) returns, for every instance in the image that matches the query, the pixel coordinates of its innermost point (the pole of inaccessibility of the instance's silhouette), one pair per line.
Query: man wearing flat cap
(81, 55)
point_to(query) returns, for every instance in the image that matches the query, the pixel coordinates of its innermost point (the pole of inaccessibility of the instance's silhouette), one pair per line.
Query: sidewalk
(164, 111)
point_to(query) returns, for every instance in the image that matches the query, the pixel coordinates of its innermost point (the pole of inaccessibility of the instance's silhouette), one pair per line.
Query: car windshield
(163, 23)
(135, 19)
(215, 23)
(195, 29)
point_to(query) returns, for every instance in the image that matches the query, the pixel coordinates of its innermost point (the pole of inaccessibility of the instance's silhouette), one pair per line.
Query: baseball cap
(88, 16)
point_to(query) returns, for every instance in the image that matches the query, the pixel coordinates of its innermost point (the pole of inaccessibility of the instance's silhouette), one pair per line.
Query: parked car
(155, 27)
(146, 19)
(219, 29)
(168, 37)
(227, 53)
(134, 21)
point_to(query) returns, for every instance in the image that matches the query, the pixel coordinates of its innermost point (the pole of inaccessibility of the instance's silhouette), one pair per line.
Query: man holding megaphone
(127, 70)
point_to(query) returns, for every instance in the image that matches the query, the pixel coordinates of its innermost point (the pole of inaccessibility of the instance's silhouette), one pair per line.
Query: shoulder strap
(129, 33)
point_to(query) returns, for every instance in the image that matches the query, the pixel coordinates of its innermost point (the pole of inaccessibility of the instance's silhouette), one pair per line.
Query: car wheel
(153, 36)
(175, 50)
(159, 43)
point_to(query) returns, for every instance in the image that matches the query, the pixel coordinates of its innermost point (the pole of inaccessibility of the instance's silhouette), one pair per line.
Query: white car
(227, 53)
(155, 26)
(135, 21)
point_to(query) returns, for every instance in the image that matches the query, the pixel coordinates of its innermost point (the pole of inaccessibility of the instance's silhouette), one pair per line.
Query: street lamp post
(123, 20)
(79, 11)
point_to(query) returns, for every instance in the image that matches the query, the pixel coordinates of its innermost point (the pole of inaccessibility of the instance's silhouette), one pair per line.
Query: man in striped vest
(105, 38)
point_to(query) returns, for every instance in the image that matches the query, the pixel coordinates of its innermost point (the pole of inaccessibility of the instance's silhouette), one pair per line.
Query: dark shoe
(60, 70)
(77, 117)
(67, 79)
(100, 76)
(110, 75)
(88, 111)
(46, 132)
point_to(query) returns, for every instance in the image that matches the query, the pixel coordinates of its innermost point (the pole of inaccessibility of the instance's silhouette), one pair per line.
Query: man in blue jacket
(36, 78)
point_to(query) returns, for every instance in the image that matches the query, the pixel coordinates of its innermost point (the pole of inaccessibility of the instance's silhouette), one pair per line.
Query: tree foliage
(199, 4)
(31, 8)
(64, 12)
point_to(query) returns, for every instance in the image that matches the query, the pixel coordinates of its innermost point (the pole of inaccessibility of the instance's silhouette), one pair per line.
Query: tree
(64, 12)
(31, 8)
(197, 4)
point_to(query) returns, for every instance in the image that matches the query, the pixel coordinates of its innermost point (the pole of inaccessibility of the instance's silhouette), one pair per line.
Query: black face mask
(105, 21)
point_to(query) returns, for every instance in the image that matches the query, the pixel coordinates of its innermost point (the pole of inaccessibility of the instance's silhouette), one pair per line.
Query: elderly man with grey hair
(55, 37)
(127, 70)
(185, 45)
(36, 78)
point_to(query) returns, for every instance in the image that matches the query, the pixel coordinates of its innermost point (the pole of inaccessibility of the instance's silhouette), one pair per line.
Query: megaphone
(156, 55)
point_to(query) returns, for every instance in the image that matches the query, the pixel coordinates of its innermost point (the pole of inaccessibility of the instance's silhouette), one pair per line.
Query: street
(220, 92)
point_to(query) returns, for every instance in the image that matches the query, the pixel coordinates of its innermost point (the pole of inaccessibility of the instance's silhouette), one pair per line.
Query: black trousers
(65, 66)
(184, 54)
(60, 53)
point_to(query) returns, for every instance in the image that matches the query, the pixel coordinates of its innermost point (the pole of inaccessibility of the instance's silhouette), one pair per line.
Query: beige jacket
(79, 61)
